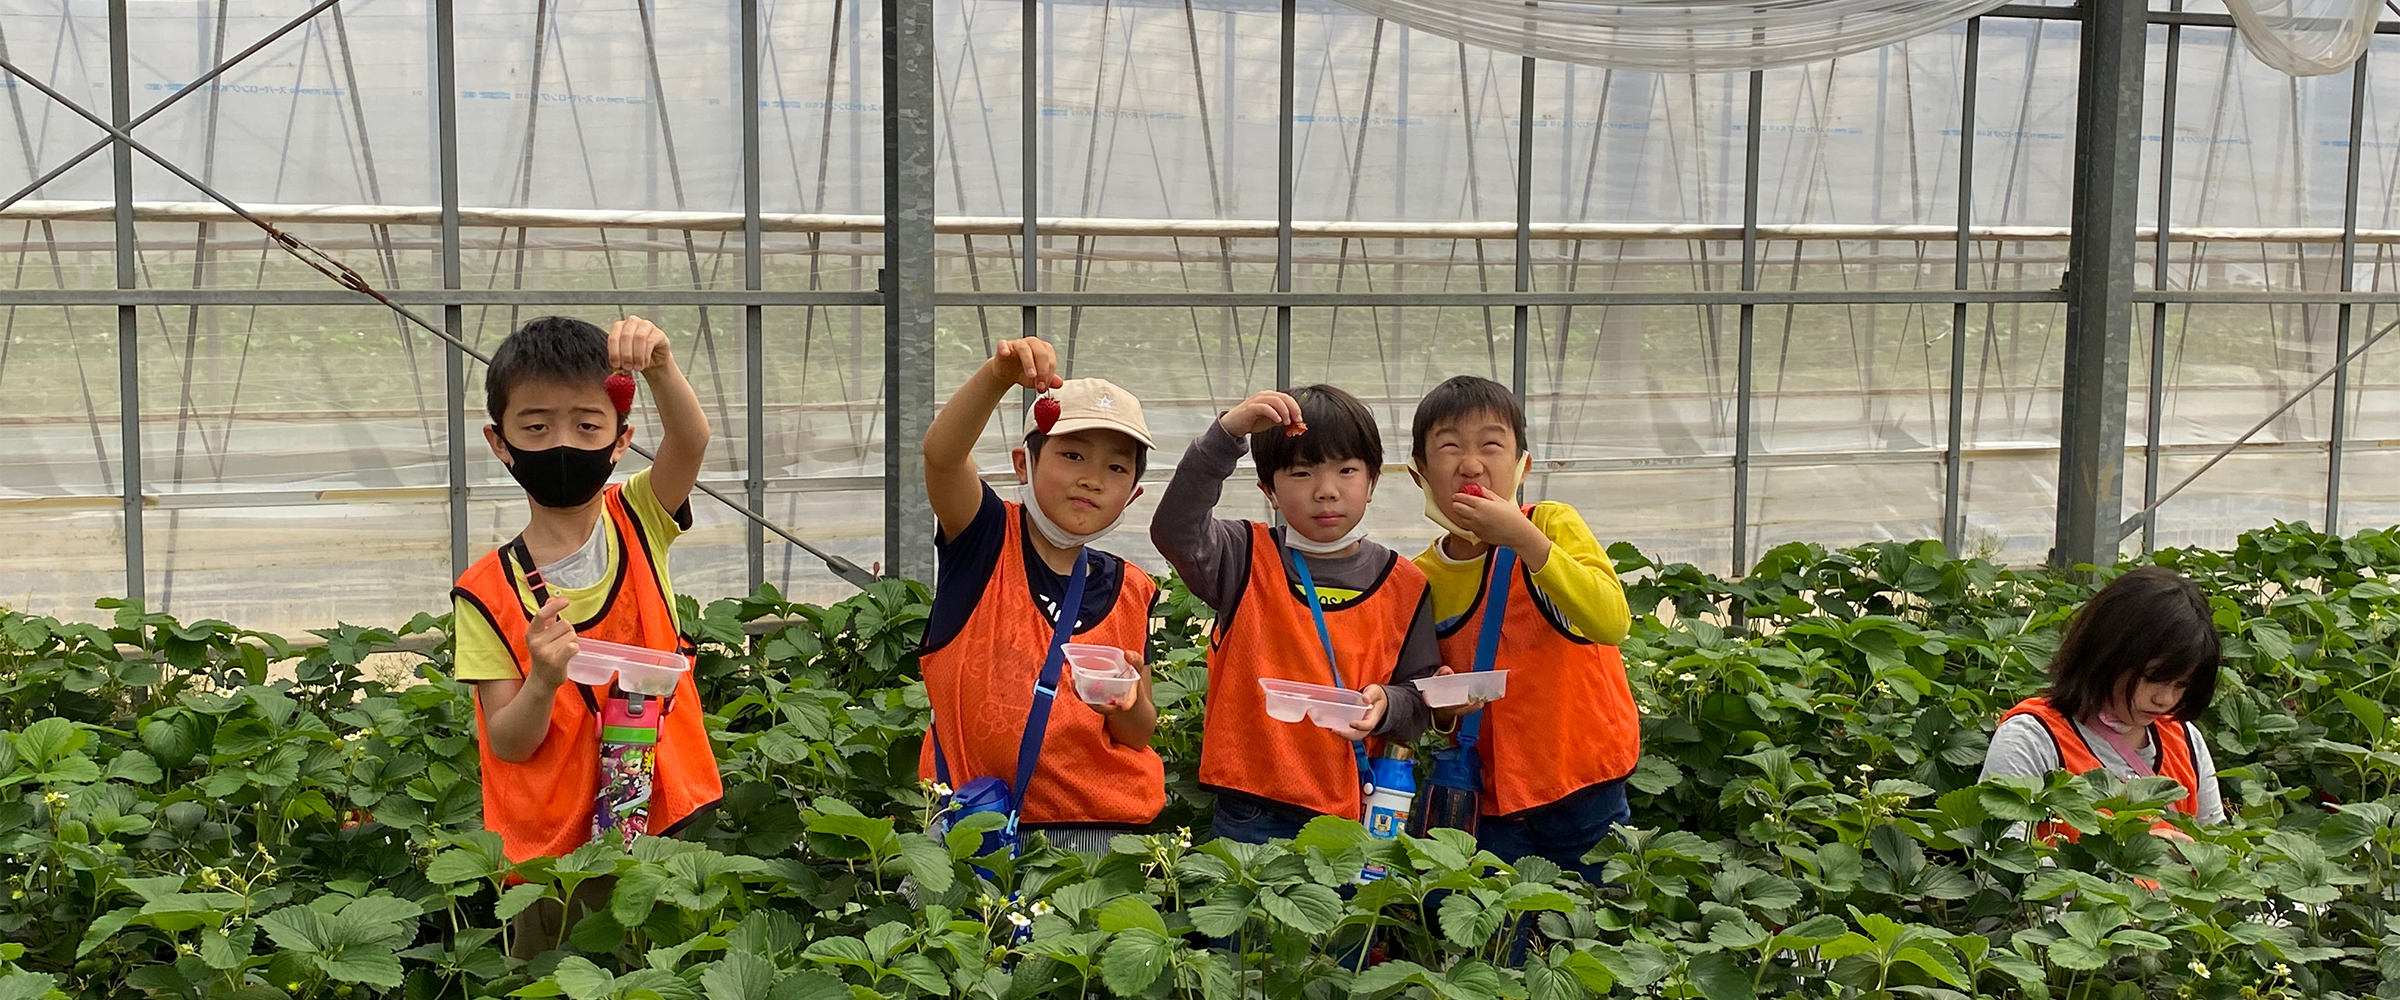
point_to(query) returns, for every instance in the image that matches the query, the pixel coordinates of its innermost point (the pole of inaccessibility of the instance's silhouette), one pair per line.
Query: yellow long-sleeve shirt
(1579, 578)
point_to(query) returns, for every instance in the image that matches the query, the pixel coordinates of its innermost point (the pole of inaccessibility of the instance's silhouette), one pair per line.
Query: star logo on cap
(1105, 403)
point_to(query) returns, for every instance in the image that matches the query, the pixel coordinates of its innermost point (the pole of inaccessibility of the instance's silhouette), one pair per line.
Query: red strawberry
(620, 391)
(1477, 490)
(1045, 414)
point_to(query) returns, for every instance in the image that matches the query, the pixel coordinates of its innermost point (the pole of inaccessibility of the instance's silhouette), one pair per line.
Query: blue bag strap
(1316, 608)
(1487, 640)
(1045, 691)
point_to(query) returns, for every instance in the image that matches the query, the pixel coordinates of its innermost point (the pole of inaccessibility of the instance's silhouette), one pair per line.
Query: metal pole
(2107, 182)
(2341, 372)
(1289, 28)
(129, 358)
(2154, 420)
(1029, 133)
(1749, 318)
(1518, 315)
(1954, 519)
(454, 360)
(908, 242)
(754, 349)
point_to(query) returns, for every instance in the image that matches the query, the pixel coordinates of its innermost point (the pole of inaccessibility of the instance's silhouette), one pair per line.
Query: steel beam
(908, 245)
(2099, 284)
(1745, 361)
(1285, 144)
(754, 356)
(1954, 465)
(129, 328)
(454, 359)
(2341, 373)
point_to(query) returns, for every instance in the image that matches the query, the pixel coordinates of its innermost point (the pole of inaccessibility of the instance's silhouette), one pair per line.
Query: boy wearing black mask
(590, 564)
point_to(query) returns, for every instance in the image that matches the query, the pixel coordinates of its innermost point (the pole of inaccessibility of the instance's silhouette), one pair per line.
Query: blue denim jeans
(1248, 820)
(1562, 831)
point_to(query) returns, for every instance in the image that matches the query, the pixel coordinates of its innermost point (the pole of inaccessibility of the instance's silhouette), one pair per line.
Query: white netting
(1679, 36)
(2306, 37)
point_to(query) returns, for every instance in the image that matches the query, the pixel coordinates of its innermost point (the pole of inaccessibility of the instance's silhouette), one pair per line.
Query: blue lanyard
(1487, 641)
(1316, 609)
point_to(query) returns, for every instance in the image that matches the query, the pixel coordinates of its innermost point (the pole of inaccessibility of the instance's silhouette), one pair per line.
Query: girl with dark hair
(2138, 663)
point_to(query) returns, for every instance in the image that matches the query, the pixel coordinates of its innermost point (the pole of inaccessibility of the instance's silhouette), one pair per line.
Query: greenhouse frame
(2059, 282)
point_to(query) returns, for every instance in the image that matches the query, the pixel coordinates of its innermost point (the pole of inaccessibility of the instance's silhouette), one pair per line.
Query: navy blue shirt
(968, 560)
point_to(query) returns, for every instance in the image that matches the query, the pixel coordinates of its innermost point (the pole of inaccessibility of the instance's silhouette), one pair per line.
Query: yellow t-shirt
(1579, 578)
(483, 656)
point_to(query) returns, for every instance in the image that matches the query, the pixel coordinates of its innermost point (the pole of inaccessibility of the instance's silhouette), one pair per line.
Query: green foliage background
(191, 810)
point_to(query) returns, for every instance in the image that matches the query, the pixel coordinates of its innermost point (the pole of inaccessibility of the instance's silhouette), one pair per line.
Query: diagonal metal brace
(2143, 516)
(188, 89)
(343, 275)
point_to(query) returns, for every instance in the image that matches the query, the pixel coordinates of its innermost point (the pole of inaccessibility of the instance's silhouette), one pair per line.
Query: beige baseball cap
(1088, 404)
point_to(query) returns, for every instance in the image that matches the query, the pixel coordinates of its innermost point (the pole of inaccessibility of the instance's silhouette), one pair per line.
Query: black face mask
(564, 476)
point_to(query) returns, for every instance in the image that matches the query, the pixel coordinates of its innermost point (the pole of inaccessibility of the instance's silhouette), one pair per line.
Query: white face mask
(1299, 542)
(1437, 507)
(1050, 529)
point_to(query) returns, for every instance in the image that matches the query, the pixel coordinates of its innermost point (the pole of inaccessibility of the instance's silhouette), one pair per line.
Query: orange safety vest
(1268, 632)
(1568, 721)
(980, 683)
(542, 807)
(2175, 758)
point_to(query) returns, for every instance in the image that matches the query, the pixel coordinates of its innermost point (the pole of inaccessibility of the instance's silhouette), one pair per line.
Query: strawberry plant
(197, 811)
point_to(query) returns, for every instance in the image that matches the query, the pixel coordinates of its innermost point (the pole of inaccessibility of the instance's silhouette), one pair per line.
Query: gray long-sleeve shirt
(1213, 557)
(2022, 746)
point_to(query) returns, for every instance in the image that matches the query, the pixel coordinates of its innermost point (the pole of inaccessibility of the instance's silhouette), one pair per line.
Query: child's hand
(1447, 717)
(551, 640)
(1377, 704)
(1259, 412)
(636, 344)
(1027, 361)
(1130, 700)
(1496, 520)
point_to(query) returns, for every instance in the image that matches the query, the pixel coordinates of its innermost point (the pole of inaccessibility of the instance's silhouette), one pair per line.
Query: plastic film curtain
(2306, 37)
(1682, 36)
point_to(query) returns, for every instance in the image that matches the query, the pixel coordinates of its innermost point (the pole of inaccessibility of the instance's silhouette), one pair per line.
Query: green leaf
(1718, 976)
(1817, 930)
(1655, 775)
(1388, 976)
(1128, 912)
(1852, 943)
(1525, 897)
(840, 950)
(26, 985)
(922, 973)
(517, 898)
(1133, 960)
(1938, 961)
(582, 980)
(929, 862)
(2079, 955)
(104, 928)
(1309, 909)
(296, 928)
(134, 766)
(367, 966)
(809, 984)
(48, 741)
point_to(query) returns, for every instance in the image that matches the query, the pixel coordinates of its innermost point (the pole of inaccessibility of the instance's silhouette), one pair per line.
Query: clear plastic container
(1458, 689)
(639, 670)
(1101, 673)
(1330, 707)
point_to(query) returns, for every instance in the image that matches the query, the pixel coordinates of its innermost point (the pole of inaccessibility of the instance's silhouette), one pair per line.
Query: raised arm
(638, 345)
(950, 474)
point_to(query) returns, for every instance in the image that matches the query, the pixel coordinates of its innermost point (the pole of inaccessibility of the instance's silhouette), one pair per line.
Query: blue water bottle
(1393, 789)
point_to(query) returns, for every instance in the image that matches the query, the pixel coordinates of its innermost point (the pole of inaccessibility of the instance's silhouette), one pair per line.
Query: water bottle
(1394, 787)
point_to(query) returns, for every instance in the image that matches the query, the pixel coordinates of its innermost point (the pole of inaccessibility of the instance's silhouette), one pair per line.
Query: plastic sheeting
(2306, 37)
(1680, 36)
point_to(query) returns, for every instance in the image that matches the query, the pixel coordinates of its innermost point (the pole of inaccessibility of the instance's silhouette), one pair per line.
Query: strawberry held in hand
(620, 391)
(1045, 413)
(1477, 490)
